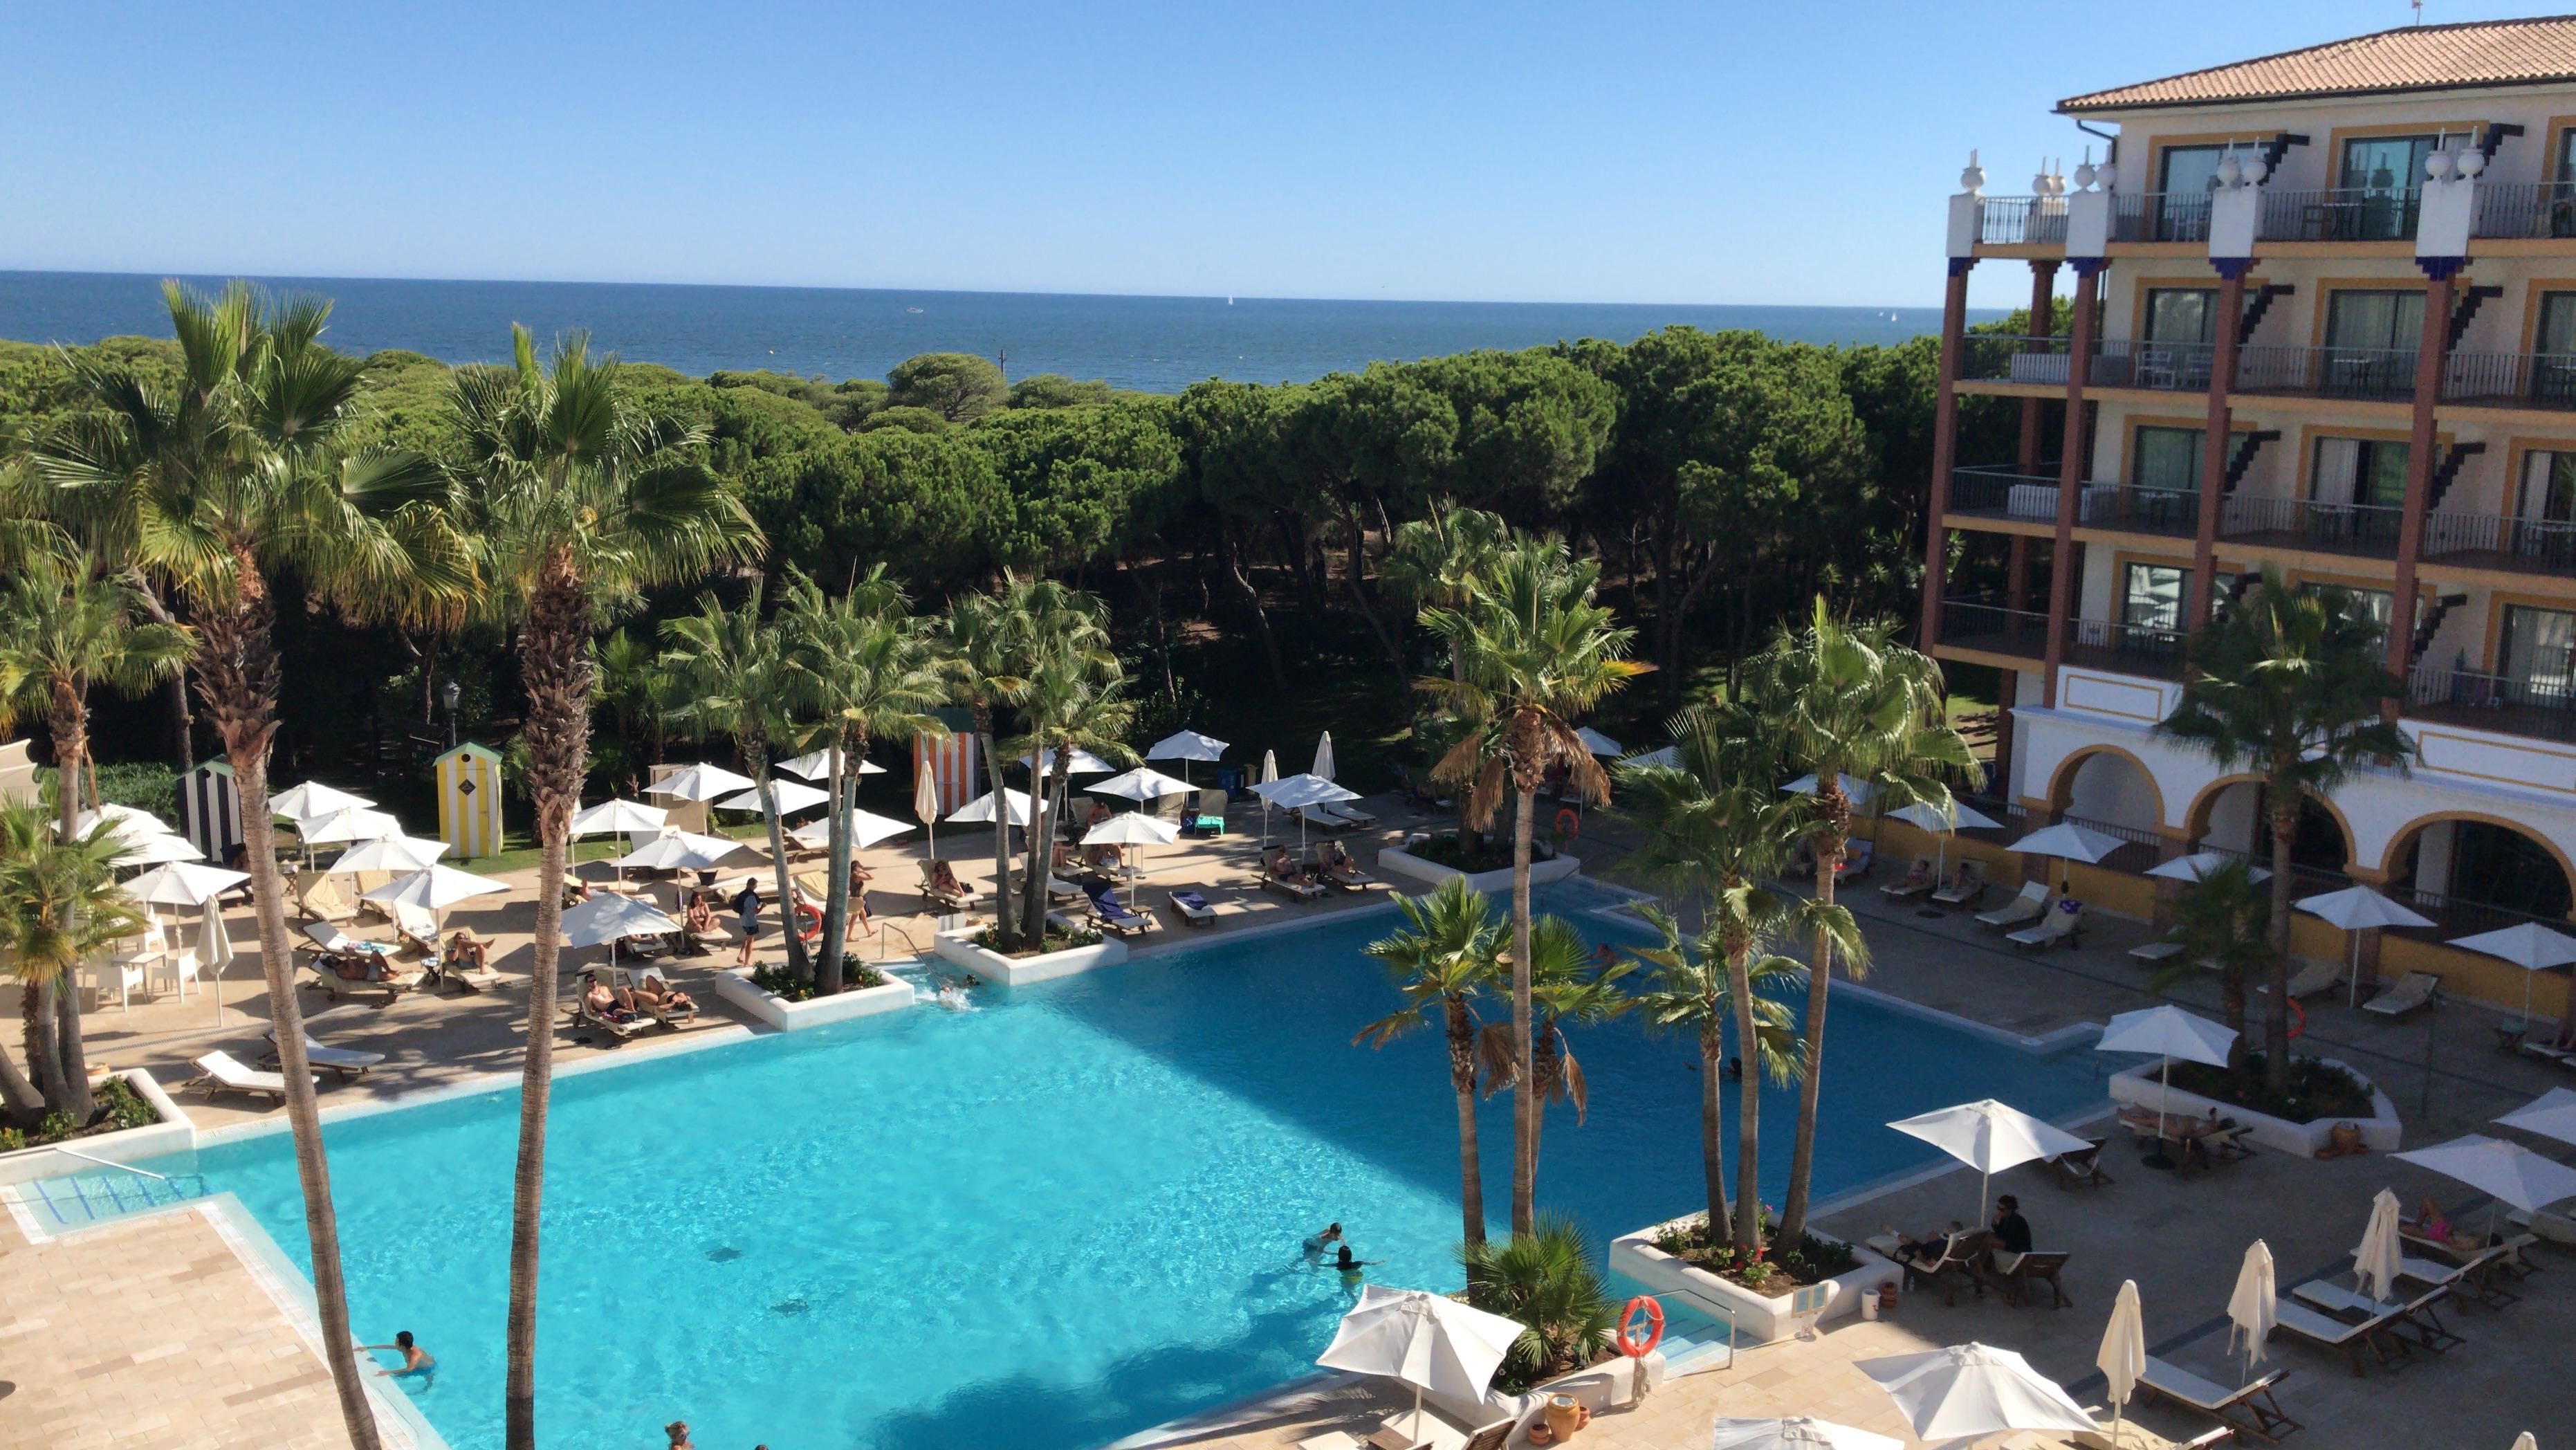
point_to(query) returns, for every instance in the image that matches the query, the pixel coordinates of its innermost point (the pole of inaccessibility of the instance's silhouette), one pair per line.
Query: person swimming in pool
(1318, 1244)
(1350, 1267)
(416, 1360)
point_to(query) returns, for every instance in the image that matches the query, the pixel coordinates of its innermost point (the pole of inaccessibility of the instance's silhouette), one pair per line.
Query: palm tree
(1535, 653)
(644, 697)
(1846, 700)
(1443, 958)
(1545, 1277)
(1569, 982)
(576, 498)
(2218, 923)
(865, 668)
(731, 672)
(59, 902)
(213, 489)
(2288, 684)
(1069, 700)
(1717, 826)
(983, 652)
(1695, 991)
(1434, 561)
(63, 629)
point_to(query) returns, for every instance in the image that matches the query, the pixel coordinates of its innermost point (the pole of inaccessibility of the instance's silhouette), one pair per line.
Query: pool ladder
(76, 1199)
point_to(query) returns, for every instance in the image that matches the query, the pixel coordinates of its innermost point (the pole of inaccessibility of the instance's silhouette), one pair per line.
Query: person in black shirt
(2012, 1233)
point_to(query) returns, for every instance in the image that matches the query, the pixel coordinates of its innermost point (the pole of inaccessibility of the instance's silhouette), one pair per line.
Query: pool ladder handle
(104, 1163)
(885, 925)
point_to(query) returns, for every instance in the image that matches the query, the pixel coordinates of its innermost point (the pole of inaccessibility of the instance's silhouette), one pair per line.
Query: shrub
(775, 979)
(143, 784)
(856, 974)
(1056, 941)
(11, 1140)
(124, 1106)
(54, 1125)
(2317, 1089)
(1547, 1280)
(1771, 1269)
(1495, 854)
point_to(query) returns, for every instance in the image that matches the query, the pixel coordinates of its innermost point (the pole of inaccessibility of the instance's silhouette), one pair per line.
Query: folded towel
(1189, 900)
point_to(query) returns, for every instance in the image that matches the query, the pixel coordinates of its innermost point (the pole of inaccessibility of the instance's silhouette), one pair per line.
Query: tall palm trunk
(1748, 1095)
(18, 1097)
(237, 677)
(2276, 1020)
(836, 886)
(1003, 915)
(1712, 1112)
(1462, 1081)
(70, 724)
(1525, 1096)
(1041, 837)
(41, 1002)
(756, 754)
(1833, 829)
(557, 672)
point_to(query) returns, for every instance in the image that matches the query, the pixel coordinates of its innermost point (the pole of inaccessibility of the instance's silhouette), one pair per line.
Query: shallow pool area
(1047, 1223)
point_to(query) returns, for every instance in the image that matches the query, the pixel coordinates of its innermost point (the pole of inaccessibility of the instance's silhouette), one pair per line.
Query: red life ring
(809, 922)
(1654, 1313)
(1568, 824)
(2298, 1020)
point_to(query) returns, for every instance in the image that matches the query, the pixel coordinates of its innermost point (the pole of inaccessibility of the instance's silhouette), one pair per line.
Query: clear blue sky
(1790, 153)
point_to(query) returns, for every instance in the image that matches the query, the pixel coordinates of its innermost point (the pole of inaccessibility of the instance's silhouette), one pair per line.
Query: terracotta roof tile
(2424, 57)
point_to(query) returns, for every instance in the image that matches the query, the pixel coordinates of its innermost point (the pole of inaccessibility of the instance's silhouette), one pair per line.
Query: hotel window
(2557, 323)
(2368, 471)
(2382, 177)
(2151, 596)
(2170, 458)
(2373, 605)
(2189, 175)
(2182, 314)
(2539, 648)
(2548, 502)
(2375, 318)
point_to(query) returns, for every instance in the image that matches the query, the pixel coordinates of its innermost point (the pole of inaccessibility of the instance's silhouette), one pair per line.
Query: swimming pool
(1044, 1224)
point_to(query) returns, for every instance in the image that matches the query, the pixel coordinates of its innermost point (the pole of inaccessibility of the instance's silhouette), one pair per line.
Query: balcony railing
(1985, 357)
(2338, 528)
(2129, 649)
(2160, 216)
(2525, 209)
(2005, 220)
(2511, 379)
(2140, 510)
(2338, 214)
(2542, 708)
(2002, 492)
(2378, 374)
(2165, 367)
(2534, 545)
(1985, 624)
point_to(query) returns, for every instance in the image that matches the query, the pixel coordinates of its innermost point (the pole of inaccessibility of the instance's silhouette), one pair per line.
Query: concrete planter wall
(779, 1014)
(1421, 875)
(957, 947)
(173, 1134)
(1760, 1317)
(2379, 1132)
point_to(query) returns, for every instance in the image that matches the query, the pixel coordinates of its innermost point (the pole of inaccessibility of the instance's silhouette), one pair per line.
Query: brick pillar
(2441, 274)
(2008, 686)
(1945, 451)
(2070, 475)
(2214, 450)
(2043, 299)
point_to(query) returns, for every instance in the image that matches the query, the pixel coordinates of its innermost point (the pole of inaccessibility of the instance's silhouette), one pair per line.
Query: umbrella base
(2158, 1160)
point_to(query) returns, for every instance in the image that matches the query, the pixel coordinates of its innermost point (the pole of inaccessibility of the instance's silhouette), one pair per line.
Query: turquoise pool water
(1044, 1224)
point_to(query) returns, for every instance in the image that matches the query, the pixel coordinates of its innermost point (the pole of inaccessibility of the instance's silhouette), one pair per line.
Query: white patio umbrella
(1186, 746)
(1667, 756)
(925, 806)
(2356, 908)
(1014, 802)
(313, 800)
(2528, 945)
(1295, 794)
(1969, 1390)
(2524, 1441)
(151, 848)
(1596, 742)
(866, 829)
(1796, 1432)
(2551, 1115)
(816, 764)
(2123, 1356)
(609, 919)
(2201, 865)
(678, 851)
(1990, 1137)
(1959, 816)
(619, 817)
(187, 883)
(700, 783)
(389, 853)
(435, 888)
(792, 795)
(2068, 841)
(1140, 785)
(1323, 756)
(124, 819)
(2168, 1032)
(1429, 1341)
(357, 823)
(1858, 792)
(1077, 761)
(2253, 1307)
(1132, 828)
(2506, 1172)
(2377, 1261)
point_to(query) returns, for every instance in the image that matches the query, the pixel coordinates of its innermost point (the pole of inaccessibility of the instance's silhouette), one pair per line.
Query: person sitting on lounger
(943, 879)
(359, 966)
(609, 1004)
(467, 954)
(2012, 1233)
(1917, 878)
(1284, 869)
(1107, 858)
(575, 893)
(698, 918)
(416, 1360)
(656, 995)
(1338, 862)
(1920, 1256)
(1964, 878)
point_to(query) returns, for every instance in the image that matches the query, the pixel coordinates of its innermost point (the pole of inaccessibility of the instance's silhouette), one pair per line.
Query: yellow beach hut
(469, 800)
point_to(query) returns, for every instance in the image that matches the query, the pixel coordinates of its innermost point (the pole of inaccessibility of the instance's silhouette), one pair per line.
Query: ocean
(1157, 344)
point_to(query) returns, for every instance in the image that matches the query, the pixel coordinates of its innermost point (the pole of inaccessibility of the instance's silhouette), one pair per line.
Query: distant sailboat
(912, 309)
(1229, 301)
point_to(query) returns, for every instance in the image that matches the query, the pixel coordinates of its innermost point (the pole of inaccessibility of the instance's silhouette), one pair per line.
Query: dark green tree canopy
(958, 386)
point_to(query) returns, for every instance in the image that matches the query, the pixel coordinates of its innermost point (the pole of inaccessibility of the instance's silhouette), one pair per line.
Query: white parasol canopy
(866, 829)
(1132, 828)
(677, 851)
(2201, 865)
(618, 817)
(1295, 794)
(1968, 1390)
(2358, 908)
(2068, 841)
(2168, 1032)
(1598, 743)
(1667, 756)
(313, 800)
(816, 764)
(1077, 761)
(1015, 803)
(1858, 792)
(436, 888)
(2253, 1306)
(182, 883)
(2506, 1171)
(1323, 756)
(1796, 1433)
(792, 796)
(1144, 783)
(389, 853)
(608, 917)
(2551, 1115)
(1429, 1341)
(2528, 945)
(2123, 1356)
(2377, 1262)
(155, 848)
(700, 783)
(1990, 1137)
(1187, 745)
(1944, 821)
(358, 823)
(123, 819)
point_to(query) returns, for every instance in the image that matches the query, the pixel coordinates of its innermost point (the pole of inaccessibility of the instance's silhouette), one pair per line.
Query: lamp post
(447, 695)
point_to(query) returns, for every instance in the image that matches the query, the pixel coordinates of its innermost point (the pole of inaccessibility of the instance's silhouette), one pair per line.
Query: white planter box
(1396, 861)
(2379, 1132)
(779, 1014)
(173, 1134)
(1020, 971)
(1758, 1317)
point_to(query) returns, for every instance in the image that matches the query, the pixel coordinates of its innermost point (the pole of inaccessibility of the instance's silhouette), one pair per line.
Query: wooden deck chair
(2250, 1409)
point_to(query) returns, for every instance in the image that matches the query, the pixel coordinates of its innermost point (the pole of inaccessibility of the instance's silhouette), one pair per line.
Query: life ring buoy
(1629, 1345)
(1568, 824)
(809, 922)
(2298, 1020)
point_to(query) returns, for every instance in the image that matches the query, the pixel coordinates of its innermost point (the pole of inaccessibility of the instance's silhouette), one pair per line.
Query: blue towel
(1190, 900)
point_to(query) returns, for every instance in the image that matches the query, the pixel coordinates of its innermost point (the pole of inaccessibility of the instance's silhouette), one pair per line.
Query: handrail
(103, 1163)
(884, 926)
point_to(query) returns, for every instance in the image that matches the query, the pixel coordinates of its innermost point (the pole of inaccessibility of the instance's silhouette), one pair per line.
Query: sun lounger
(2414, 990)
(1967, 893)
(2416, 1314)
(1294, 890)
(350, 1065)
(2478, 1270)
(2163, 949)
(2546, 1053)
(1961, 1253)
(2081, 1170)
(1917, 881)
(416, 927)
(946, 892)
(1858, 857)
(2557, 1228)
(1115, 918)
(618, 1028)
(1192, 908)
(1323, 820)
(319, 897)
(2064, 926)
(2309, 976)
(222, 1072)
(2022, 910)
(2134, 1436)
(328, 937)
(2029, 1273)
(2373, 1333)
(1349, 812)
(2250, 1409)
(630, 978)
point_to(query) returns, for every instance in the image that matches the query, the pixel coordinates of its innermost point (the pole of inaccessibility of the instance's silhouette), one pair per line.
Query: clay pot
(1564, 1416)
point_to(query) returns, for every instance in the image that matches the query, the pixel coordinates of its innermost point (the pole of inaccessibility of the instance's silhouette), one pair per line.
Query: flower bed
(1426, 874)
(1758, 1314)
(130, 1138)
(2380, 1128)
(1767, 1270)
(962, 949)
(756, 992)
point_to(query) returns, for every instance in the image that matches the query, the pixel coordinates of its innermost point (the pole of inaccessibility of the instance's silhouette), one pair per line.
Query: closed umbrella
(2252, 1307)
(2355, 909)
(1990, 1137)
(2123, 1356)
(1944, 822)
(2168, 1032)
(700, 783)
(2375, 1263)
(2527, 945)
(1269, 773)
(1970, 1390)
(1132, 828)
(792, 796)
(1324, 756)
(214, 949)
(2068, 841)
(1796, 1432)
(313, 800)
(925, 806)
(2551, 1115)
(1429, 1341)
(2201, 865)
(389, 853)
(1186, 746)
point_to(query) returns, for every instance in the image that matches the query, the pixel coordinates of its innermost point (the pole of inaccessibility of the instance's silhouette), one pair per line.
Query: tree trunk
(1002, 903)
(757, 752)
(1462, 1081)
(1748, 1098)
(182, 746)
(557, 672)
(19, 1099)
(2276, 1018)
(836, 885)
(40, 1003)
(1836, 824)
(1260, 615)
(1041, 839)
(1525, 1098)
(60, 1013)
(1712, 1112)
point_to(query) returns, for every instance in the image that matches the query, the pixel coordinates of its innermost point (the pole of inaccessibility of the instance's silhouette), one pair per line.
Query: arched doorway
(2229, 816)
(2107, 786)
(2471, 861)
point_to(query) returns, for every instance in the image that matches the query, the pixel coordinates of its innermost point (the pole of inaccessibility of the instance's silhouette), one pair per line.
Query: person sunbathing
(1338, 862)
(609, 1004)
(1917, 878)
(943, 879)
(466, 954)
(1284, 869)
(1964, 878)
(575, 893)
(698, 918)
(1922, 1253)
(658, 996)
(1107, 858)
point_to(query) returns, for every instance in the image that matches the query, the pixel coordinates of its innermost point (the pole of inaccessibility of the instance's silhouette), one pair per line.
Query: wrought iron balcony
(1987, 626)
(2376, 374)
(2002, 492)
(2525, 209)
(2545, 709)
(2006, 220)
(2174, 512)
(2336, 528)
(2511, 379)
(2129, 649)
(2177, 367)
(2534, 546)
(2339, 214)
(2160, 216)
